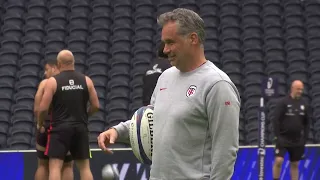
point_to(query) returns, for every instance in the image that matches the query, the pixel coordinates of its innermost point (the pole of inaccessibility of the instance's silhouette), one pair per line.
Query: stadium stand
(114, 42)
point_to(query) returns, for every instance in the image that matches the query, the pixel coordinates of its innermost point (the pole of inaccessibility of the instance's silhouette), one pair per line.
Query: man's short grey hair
(188, 21)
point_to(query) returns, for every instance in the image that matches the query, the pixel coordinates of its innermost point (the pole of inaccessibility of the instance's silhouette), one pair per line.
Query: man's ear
(194, 38)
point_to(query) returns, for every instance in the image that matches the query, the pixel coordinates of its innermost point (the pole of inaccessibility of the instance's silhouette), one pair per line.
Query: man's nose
(166, 49)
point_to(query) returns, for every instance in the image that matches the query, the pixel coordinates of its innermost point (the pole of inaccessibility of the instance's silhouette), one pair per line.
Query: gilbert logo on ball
(141, 134)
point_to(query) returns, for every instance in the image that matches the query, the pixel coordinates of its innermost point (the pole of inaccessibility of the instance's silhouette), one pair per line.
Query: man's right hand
(106, 138)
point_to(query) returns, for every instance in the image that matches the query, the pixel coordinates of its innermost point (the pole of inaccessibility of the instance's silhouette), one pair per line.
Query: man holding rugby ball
(196, 108)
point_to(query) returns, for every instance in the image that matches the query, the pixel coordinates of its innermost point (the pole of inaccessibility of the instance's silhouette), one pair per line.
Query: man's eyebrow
(167, 40)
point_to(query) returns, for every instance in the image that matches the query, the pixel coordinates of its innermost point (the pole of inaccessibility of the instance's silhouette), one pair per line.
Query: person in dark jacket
(291, 128)
(150, 79)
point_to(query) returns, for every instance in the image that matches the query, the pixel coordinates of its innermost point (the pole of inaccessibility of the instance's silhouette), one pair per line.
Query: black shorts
(42, 141)
(296, 153)
(74, 139)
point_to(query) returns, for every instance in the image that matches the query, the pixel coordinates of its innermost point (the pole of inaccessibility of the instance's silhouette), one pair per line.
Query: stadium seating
(114, 42)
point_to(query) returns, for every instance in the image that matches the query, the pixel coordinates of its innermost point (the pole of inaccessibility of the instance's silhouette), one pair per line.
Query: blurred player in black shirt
(42, 171)
(68, 93)
(291, 128)
(150, 79)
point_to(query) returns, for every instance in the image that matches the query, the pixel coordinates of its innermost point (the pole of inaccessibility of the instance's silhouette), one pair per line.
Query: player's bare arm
(93, 97)
(49, 90)
(38, 97)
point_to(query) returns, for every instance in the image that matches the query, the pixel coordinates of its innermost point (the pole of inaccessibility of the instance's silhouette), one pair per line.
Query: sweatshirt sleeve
(279, 112)
(153, 97)
(123, 127)
(223, 109)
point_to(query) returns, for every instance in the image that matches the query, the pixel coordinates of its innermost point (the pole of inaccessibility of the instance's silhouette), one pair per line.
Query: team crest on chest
(191, 90)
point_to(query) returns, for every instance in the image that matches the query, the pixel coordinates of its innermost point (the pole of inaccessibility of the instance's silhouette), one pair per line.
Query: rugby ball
(141, 134)
(110, 172)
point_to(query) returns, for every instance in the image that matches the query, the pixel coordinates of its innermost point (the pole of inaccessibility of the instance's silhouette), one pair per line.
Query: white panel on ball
(141, 134)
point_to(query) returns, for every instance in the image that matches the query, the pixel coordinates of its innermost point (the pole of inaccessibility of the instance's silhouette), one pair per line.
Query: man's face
(176, 46)
(297, 90)
(50, 70)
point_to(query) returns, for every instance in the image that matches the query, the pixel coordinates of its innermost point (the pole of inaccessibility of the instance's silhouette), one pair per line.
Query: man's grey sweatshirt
(196, 120)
